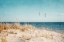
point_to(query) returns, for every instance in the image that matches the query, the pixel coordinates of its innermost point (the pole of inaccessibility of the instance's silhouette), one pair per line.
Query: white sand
(30, 34)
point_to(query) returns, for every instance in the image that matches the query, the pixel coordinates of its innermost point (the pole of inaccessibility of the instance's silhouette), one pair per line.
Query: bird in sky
(45, 14)
(39, 13)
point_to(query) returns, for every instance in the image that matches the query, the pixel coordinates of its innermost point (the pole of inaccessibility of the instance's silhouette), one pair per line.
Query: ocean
(54, 26)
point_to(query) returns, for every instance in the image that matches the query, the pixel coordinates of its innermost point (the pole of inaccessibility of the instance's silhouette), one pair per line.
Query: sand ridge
(27, 33)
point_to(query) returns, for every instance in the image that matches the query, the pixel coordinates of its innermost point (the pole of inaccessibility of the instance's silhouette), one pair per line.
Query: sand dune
(27, 33)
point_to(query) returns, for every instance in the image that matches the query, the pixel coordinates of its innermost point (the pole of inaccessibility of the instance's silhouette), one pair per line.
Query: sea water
(54, 26)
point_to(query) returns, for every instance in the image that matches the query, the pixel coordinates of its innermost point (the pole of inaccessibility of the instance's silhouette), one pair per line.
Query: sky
(29, 10)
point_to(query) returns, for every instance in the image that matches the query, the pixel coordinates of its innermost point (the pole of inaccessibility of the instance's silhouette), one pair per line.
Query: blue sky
(28, 10)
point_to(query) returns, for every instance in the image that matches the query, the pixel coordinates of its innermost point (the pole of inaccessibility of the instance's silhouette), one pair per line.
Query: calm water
(55, 26)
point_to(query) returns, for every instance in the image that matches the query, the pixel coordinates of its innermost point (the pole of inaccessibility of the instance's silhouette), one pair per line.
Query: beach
(27, 33)
(31, 20)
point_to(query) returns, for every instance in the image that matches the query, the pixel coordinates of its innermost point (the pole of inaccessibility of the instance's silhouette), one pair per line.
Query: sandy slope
(30, 34)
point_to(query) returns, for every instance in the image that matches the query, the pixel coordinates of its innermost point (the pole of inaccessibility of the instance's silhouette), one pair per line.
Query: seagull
(45, 14)
(39, 13)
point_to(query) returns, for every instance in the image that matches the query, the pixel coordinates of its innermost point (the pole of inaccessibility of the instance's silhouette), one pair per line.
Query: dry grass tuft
(6, 26)
(16, 26)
